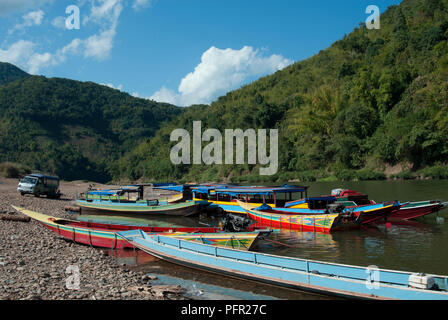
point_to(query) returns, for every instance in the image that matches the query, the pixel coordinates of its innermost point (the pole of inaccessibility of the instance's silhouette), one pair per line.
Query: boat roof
(103, 192)
(110, 192)
(178, 188)
(234, 190)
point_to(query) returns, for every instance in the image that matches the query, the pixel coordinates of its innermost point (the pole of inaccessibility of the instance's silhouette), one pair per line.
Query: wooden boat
(168, 199)
(238, 240)
(280, 199)
(414, 210)
(104, 235)
(226, 196)
(149, 207)
(126, 219)
(370, 213)
(318, 223)
(409, 210)
(308, 275)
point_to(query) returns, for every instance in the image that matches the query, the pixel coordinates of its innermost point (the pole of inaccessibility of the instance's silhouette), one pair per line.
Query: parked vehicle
(39, 184)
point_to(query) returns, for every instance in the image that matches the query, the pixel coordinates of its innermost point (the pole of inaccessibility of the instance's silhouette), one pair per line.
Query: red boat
(101, 235)
(408, 211)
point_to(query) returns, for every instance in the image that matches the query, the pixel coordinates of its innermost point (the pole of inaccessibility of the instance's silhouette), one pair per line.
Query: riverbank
(36, 263)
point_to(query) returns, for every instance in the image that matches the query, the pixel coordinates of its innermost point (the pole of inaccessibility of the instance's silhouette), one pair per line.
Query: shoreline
(37, 264)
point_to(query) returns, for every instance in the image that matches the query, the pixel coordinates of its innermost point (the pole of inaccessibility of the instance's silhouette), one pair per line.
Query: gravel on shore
(36, 263)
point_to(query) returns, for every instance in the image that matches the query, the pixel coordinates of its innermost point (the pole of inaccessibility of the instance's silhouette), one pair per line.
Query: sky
(178, 51)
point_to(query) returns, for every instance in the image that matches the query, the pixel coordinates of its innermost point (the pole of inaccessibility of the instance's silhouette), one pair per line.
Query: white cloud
(168, 96)
(33, 18)
(18, 53)
(220, 71)
(38, 60)
(22, 53)
(59, 22)
(12, 6)
(104, 14)
(72, 47)
(99, 45)
(141, 4)
(110, 85)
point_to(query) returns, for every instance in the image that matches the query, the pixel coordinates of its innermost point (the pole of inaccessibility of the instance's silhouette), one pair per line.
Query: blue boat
(285, 200)
(306, 275)
(226, 196)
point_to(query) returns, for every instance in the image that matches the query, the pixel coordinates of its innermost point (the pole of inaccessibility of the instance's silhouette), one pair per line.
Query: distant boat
(104, 235)
(308, 275)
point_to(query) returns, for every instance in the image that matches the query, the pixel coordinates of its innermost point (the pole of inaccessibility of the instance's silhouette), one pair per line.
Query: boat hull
(314, 276)
(104, 235)
(378, 214)
(316, 223)
(417, 209)
(174, 209)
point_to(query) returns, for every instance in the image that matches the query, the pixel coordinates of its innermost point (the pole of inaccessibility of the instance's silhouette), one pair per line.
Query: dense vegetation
(374, 104)
(73, 129)
(10, 73)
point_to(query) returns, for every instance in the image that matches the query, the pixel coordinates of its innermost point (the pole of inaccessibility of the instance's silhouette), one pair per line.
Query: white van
(39, 184)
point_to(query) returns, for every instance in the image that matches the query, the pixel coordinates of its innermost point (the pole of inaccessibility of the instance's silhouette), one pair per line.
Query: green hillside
(10, 73)
(373, 104)
(70, 128)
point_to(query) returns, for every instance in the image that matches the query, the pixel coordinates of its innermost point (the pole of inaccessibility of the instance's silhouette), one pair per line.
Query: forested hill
(373, 103)
(10, 73)
(70, 128)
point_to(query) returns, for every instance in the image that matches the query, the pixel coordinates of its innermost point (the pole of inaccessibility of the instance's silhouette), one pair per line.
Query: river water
(418, 246)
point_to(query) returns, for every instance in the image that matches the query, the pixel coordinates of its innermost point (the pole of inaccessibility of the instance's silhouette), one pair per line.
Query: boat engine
(335, 208)
(233, 223)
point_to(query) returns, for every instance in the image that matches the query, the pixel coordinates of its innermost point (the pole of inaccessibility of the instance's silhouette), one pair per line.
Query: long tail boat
(370, 212)
(410, 210)
(414, 210)
(325, 223)
(110, 201)
(281, 199)
(105, 235)
(306, 275)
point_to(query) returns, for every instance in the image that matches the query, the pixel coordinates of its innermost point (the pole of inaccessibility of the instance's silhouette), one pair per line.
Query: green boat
(116, 201)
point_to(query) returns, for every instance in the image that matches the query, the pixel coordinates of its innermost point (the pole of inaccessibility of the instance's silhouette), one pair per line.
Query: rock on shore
(36, 263)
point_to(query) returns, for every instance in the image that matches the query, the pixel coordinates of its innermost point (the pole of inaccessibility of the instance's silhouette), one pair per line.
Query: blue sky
(178, 51)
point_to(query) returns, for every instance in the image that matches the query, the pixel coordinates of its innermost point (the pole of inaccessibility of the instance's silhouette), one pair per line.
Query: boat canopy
(167, 184)
(178, 188)
(104, 192)
(259, 190)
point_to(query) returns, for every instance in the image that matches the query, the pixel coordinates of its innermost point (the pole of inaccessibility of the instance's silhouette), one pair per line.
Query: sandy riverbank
(34, 260)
